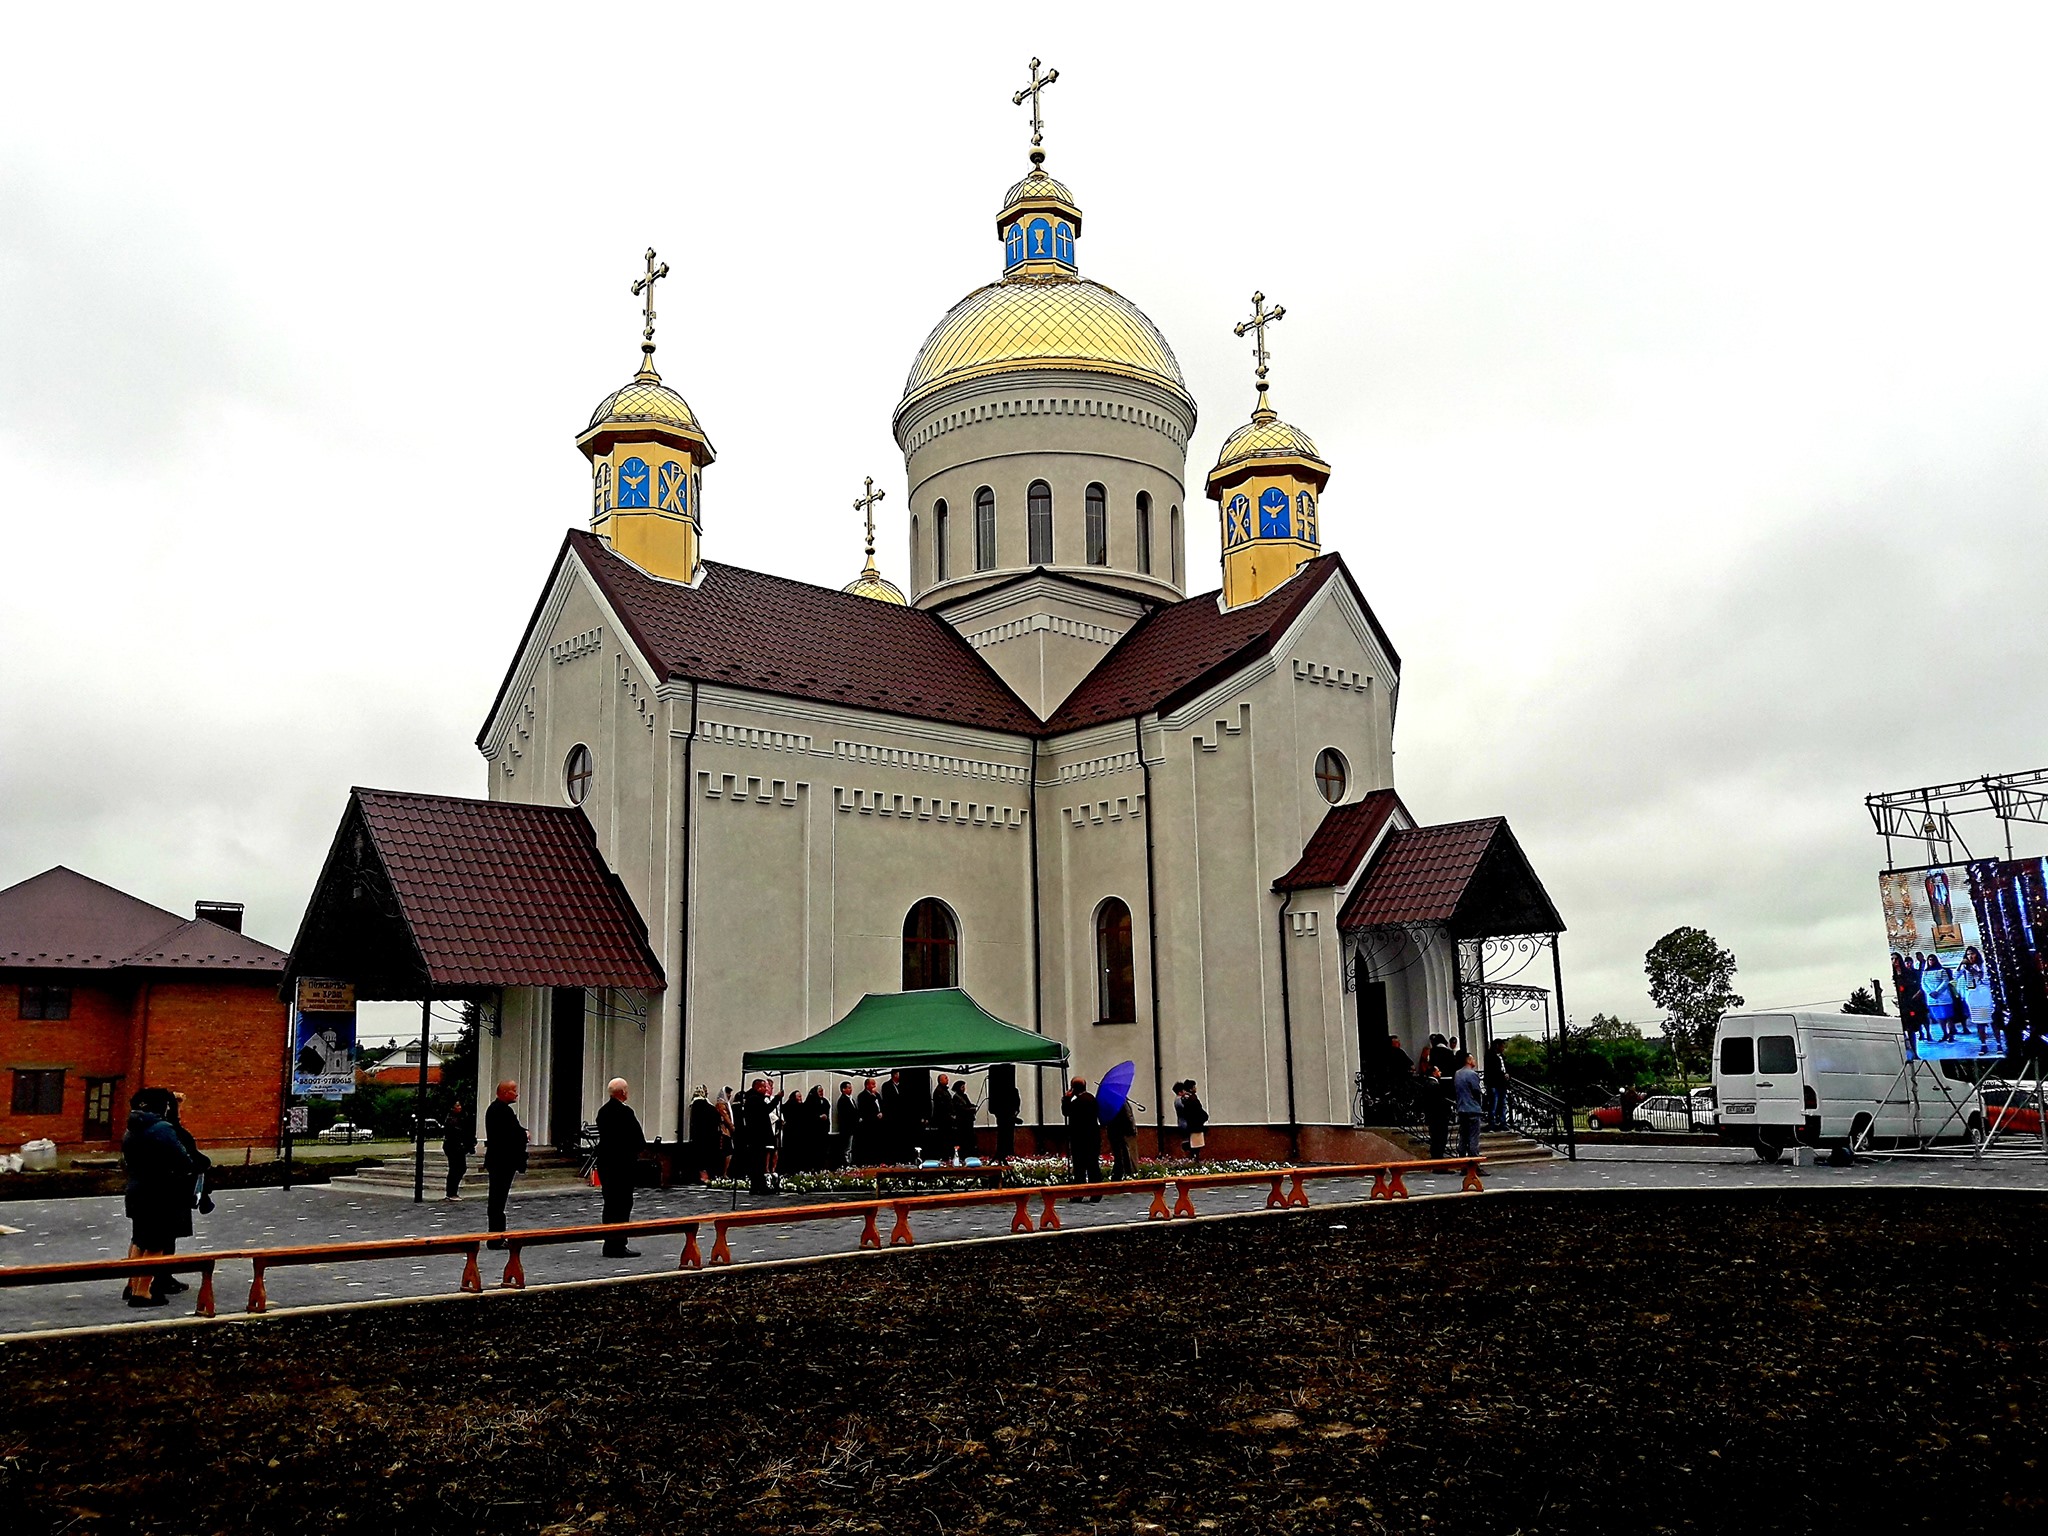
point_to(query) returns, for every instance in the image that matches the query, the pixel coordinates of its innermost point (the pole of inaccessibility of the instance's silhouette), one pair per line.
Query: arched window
(672, 492)
(1038, 506)
(913, 549)
(931, 947)
(939, 541)
(1273, 513)
(1116, 990)
(1237, 520)
(1098, 525)
(1063, 242)
(1038, 238)
(1013, 245)
(984, 529)
(1305, 516)
(1331, 776)
(601, 492)
(633, 486)
(1145, 533)
(577, 774)
(1173, 542)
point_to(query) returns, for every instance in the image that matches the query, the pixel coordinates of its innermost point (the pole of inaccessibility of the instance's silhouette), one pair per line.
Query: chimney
(226, 913)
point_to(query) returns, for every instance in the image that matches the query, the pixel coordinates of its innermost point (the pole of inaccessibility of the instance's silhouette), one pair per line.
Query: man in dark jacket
(1084, 1134)
(867, 1128)
(458, 1140)
(504, 1153)
(757, 1127)
(1006, 1104)
(939, 1141)
(619, 1143)
(845, 1122)
(1123, 1137)
(895, 1120)
(158, 1196)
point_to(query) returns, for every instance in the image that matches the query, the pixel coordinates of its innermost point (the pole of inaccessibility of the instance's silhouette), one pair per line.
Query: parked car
(1605, 1118)
(1663, 1112)
(345, 1131)
(2014, 1111)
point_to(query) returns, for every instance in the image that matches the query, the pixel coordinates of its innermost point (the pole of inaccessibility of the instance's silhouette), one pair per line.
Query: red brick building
(102, 993)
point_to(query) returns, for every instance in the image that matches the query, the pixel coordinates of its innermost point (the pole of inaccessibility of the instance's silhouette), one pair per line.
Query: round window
(1330, 775)
(576, 774)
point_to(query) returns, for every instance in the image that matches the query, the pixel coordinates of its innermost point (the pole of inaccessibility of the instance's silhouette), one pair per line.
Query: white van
(1832, 1080)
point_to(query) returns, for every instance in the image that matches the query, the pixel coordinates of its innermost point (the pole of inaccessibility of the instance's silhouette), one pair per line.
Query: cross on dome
(1261, 318)
(866, 504)
(643, 289)
(1038, 84)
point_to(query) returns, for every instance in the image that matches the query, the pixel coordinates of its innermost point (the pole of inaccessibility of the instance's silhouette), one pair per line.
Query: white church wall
(1043, 635)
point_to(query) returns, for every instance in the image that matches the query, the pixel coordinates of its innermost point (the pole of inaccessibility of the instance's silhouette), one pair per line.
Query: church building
(1145, 808)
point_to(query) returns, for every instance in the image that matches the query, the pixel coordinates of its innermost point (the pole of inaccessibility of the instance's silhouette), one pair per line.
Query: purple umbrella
(1114, 1090)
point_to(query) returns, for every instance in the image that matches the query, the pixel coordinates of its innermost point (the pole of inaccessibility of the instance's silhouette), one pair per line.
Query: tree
(1606, 1026)
(1691, 980)
(1862, 1000)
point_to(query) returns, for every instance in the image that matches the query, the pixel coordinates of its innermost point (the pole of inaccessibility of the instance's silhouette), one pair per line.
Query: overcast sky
(1683, 371)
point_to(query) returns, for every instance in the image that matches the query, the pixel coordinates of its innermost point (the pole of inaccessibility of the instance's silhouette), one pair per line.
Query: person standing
(197, 1199)
(1084, 1134)
(1007, 1105)
(757, 1135)
(1436, 1106)
(158, 1193)
(504, 1154)
(1496, 1086)
(728, 1134)
(964, 1111)
(940, 1141)
(818, 1117)
(1197, 1118)
(895, 1146)
(845, 1121)
(867, 1126)
(1123, 1134)
(707, 1129)
(619, 1144)
(1471, 1101)
(458, 1140)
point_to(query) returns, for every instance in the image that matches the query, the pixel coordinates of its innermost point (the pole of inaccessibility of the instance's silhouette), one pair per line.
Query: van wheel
(1766, 1153)
(1859, 1133)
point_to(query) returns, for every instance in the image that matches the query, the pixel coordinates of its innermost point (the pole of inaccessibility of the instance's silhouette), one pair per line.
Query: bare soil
(1567, 1362)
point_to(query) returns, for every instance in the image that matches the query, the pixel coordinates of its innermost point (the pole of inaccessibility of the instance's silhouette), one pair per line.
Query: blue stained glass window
(1238, 522)
(674, 492)
(1013, 245)
(1305, 515)
(601, 492)
(1040, 235)
(633, 483)
(1273, 513)
(1063, 242)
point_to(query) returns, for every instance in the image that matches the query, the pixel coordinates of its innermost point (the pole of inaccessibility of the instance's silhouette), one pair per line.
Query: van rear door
(1757, 1076)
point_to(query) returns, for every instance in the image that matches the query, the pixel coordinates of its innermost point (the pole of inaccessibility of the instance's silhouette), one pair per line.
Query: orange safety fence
(1288, 1189)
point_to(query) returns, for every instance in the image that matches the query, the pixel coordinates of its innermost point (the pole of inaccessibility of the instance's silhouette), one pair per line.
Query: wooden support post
(259, 1299)
(1297, 1195)
(1021, 1222)
(1049, 1215)
(721, 1250)
(472, 1277)
(691, 1259)
(1472, 1179)
(1276, 1201)
(870, 1234)
(1159, 1212)
(899, 1235)
(1396, 1189)
(1185, 1205)
(514, 1277)
(205, 1306)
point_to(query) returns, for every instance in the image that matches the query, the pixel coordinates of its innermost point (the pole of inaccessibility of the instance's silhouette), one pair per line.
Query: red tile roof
(62, 920)
(1177, 651)
(751, 630)
(1471, 876)
(481, 894)
(1340, 842)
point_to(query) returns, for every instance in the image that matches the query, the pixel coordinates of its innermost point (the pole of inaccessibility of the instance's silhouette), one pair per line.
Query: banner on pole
(324, 1038)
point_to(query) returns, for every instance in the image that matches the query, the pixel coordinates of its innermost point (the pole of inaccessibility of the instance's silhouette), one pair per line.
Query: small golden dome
(1039, 187)
(647, 400)
(1266, 436)
(1044, 322)
(871, 583)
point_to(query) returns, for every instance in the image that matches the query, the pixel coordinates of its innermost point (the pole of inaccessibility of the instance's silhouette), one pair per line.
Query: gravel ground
(1539, 1360)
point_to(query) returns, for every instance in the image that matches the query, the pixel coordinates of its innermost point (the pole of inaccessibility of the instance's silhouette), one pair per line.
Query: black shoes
(151, 1300)
(622, 1253)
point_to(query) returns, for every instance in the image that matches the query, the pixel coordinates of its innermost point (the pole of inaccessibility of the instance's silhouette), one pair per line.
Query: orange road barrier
(1287, 1190)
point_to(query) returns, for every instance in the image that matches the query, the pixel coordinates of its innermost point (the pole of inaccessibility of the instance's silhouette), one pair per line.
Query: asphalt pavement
(54, 1231)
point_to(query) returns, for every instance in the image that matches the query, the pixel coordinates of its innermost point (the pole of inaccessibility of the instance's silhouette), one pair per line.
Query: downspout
(1287, 1035)
(683, 902)
(1152, 943)
(1037, 953)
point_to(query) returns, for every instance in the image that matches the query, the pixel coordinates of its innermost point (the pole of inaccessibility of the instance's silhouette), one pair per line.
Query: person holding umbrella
(1084, 1134)
(1113, 1108)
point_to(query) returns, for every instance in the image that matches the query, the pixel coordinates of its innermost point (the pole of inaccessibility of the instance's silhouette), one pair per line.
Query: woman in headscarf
(964, 1111)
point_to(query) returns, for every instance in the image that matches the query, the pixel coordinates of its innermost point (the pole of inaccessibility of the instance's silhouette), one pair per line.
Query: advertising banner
(324, 1039)
(1951, 994)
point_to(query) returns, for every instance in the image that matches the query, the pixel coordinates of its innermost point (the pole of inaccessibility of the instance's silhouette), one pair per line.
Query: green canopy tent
(941, 1027)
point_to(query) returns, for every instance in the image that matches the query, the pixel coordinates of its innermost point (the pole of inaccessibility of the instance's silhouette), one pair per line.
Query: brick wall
(221, 1044)
(93, 1042)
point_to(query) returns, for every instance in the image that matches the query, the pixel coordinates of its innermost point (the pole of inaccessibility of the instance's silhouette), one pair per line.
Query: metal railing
(1288, 1190)
(1541, 1117)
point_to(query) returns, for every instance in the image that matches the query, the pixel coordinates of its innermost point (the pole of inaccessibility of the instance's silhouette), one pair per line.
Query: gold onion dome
(1267, 437)
(1039, 188)
(646, 400)
(872, 583)
(1044, 322)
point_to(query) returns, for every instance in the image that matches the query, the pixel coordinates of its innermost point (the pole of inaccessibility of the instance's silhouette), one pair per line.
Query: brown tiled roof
(497, 894)
(751, 630)
(1175, 652)
(62, 920)
(1471, 876)
(1340, 842)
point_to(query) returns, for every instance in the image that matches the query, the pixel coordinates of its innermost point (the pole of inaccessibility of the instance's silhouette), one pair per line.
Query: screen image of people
(1950, 995)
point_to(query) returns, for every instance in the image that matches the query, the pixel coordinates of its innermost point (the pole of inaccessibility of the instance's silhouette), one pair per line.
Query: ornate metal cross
(1261, 318)
(645, 285)
(866, 504)
(1038, 83)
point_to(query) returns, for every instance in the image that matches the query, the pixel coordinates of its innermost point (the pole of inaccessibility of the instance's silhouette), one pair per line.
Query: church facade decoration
(1041, 769)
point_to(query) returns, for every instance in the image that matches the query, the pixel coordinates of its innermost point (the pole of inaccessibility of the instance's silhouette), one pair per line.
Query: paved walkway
(52, 1231)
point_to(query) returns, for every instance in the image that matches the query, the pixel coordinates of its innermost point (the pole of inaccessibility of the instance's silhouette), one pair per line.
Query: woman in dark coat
(705, 1131)
(158, 1196)
(818, 1128)
(964, 1111)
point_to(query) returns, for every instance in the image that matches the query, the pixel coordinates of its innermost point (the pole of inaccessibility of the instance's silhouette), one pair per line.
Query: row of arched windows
(931, 956)
(668, 488)
(1038, 530)
(1273, 517)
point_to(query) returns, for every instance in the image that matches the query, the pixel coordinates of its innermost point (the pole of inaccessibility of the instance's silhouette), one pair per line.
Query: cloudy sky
(1683, 371)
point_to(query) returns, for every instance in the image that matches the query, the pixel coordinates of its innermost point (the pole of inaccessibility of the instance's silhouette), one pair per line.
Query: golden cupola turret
(1267, 485)
(647, 455)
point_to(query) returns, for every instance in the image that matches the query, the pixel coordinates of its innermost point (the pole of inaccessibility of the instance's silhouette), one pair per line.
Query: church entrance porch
(565, 1067)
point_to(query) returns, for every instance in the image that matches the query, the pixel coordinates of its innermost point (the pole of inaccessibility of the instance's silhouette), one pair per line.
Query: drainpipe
(1152, 944)
(1037, 952)
(683, 981)
(1287, 1035)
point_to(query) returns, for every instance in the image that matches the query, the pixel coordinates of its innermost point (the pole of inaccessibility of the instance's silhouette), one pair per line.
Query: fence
(1289, 1189)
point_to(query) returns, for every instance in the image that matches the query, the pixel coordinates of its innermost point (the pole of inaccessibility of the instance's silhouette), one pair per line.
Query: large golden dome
(1044, 322)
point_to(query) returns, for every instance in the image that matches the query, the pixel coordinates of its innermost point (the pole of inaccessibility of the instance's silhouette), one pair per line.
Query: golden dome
(1044, 322)
(646, 399)
(1038, 187)
(1266, 436)
(871, 583)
